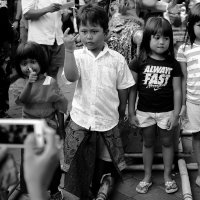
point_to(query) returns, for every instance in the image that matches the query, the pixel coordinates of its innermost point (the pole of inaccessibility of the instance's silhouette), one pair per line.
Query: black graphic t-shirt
(155, 87)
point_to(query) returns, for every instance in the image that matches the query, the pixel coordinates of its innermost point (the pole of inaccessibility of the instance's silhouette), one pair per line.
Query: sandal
(171, 186)
(143, 187)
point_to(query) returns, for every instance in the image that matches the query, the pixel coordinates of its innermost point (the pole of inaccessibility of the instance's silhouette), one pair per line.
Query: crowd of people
(120, 55)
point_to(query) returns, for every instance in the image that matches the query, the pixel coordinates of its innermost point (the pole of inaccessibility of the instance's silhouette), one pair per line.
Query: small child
(189, 57)
(158, 78)
(41, 97)
(93, 148)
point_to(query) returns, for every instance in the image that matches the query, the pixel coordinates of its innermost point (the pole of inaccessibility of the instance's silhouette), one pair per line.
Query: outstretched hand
(70, 40)
(39, 167)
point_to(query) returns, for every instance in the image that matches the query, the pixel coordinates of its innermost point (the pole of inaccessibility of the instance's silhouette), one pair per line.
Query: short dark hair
(93, 14)
(30, 50)
(193, 17)
(153, 26)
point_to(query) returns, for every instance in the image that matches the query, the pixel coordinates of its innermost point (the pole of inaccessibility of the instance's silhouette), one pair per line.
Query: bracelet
(69, 51)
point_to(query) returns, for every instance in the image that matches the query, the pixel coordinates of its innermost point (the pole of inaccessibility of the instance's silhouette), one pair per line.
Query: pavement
(124, 190)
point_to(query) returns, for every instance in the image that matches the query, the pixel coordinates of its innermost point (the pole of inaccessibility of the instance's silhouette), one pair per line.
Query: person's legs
(23, 188)
(56, 59)
(55, 180)
(102, 168)
(105, 172)
(148, 134)
(196, 147)
(168, 152)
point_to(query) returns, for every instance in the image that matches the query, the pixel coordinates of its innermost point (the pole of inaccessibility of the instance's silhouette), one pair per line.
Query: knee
(196, 135)
(148, 143)
(167, 142)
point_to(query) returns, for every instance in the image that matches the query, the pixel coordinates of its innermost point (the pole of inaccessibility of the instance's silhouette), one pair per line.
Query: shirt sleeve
(27, 5)
(177, 72)
(125, 78)
(180, 54)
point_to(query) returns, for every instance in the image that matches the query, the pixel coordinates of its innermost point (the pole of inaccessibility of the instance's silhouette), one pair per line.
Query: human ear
(107, 35)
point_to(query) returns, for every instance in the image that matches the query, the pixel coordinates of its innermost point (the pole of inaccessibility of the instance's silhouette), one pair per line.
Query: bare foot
(198, 181)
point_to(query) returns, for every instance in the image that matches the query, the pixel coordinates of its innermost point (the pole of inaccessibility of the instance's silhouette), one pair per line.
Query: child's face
(28, 65)
(197, 31)
(159, 44)
(93, 37)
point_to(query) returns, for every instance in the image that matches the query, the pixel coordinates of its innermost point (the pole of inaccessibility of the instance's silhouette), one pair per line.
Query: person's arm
(70, 68)
(183, 84)
(162, 6)
(132, 101)
(148, 3)
(39, 167)
(27, 89)
(61, 129)
(34, 14)
(25, 93)
(123, 97)
(177, 95)
(18, 15)
(177, 103)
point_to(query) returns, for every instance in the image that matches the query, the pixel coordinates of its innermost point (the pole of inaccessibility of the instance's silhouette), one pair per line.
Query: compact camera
(14, 131)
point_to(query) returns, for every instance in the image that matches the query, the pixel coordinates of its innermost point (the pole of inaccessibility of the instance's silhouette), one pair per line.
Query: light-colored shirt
(191, 56)
(95, 103)
(48, 27)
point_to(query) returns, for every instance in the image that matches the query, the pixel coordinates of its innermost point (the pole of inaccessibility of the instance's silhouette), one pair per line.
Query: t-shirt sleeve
(134, 65)
(125, 78)
(27, 5)
(180, 54)
(177, 72)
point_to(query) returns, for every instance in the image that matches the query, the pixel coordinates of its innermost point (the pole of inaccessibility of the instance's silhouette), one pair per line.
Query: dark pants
(55, 54)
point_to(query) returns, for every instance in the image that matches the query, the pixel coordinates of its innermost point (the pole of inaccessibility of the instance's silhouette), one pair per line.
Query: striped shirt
(191, 56)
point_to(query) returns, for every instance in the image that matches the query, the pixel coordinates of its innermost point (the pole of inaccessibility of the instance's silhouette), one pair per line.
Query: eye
(33, 61)
(156, 37)
(94, 32)
(84, 32)
(23, 63)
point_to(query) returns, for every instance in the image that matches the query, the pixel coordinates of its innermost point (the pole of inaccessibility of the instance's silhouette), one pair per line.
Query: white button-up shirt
(48, 27)
(96, 101)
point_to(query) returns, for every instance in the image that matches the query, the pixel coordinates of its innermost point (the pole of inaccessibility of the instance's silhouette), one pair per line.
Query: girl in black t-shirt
(158, 78)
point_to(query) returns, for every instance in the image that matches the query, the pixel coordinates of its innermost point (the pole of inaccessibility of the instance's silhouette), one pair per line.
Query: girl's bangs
(27, 51)
(162, 28)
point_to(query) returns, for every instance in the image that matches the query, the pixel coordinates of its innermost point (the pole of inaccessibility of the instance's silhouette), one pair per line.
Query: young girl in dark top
(158, 78)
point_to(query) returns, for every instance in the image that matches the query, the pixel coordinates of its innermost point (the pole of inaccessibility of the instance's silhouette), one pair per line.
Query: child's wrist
(69, 50)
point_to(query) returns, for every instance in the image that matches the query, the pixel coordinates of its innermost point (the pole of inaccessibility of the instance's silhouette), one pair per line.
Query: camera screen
(14, 134)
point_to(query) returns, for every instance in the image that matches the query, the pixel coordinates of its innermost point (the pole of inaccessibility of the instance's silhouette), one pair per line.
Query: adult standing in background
(45, 28)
